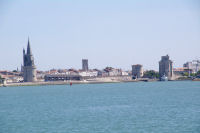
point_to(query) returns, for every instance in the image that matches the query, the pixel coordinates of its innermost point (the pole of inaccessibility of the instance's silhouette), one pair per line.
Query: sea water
(142, 107)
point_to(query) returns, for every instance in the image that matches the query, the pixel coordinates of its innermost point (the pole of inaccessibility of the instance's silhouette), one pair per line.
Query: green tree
(198, 73)
(186, 74)
(193, 74)
(151, 74)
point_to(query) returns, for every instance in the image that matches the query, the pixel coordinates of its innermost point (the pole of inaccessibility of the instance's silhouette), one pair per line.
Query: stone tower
(137, 71)
(165, 67)
(85, 64)
(29, 69)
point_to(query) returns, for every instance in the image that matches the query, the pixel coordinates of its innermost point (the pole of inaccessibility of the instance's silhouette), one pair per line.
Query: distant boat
(164, 78)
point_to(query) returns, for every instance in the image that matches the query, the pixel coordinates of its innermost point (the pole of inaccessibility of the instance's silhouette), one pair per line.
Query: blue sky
(115, 33)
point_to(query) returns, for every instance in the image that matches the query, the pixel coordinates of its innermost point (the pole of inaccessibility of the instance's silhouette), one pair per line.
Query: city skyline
(114, 33)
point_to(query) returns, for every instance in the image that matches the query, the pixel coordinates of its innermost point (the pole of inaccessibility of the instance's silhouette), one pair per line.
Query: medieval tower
(29, 69)
(166, 67)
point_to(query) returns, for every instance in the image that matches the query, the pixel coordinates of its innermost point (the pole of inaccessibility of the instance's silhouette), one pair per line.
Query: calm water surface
(156, 107)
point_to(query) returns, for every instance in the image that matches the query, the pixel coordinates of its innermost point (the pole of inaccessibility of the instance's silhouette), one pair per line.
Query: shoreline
(41, 83)
(61, 83)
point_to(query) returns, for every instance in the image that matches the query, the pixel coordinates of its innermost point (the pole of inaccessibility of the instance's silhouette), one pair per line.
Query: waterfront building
(101, 73)
(29, 69)
(181, 70)
(85, 64)
(90, 73)
(137, 71)
(11, 77)
(53, 71)
(194, 65)
(124, 73)
(61, 77)
(2, 80)
(113, 71)
(165, 67)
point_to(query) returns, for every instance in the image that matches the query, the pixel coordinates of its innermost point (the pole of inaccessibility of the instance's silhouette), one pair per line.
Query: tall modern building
(165, 67)
(137, 71)
(29, 69)
(85, 64)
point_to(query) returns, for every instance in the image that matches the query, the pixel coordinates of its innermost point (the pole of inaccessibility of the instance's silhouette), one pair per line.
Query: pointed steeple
(24, 54)
(29, 48)
(23, 51)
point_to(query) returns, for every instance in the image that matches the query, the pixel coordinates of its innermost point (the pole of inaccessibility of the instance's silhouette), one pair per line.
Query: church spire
(23, 51)
(29, 48)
